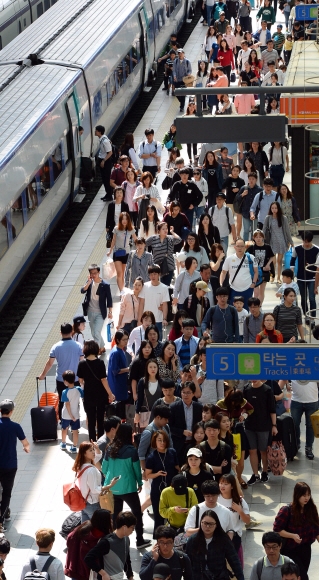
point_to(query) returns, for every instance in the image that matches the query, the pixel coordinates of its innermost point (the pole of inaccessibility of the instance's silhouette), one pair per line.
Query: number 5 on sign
(224, 364)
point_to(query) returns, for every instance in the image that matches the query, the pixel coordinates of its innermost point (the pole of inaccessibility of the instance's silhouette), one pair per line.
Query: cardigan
(110, 220)
(285, 230)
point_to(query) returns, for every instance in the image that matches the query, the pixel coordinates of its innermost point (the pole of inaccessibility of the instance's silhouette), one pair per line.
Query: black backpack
(115, 154)
(36, 574)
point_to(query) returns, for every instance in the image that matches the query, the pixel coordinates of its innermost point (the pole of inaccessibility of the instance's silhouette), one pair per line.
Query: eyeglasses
(187, 393)
(274, 547)
(196, 173)
(168, 543)
(208, 524)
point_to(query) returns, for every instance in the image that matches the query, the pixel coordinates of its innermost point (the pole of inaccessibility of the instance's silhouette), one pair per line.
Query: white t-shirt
(243, 279)
(73, 397)
(222, 512)
(219, 219)
(236, 523)
(278, 156)
(241, 319)
(154, 297)
(304, 393)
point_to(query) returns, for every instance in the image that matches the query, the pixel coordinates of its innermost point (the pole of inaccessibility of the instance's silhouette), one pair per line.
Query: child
(287, 282)
(242, 315)
(71, 410)
(288, 48)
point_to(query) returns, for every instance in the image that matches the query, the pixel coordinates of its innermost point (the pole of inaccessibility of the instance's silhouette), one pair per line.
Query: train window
(46, 5)
(0, 42)
(161, 18)
(16, 217)
(20, 27)
(24, 22)
(39, 9)
(32, 201)
(53, 2)
(4, 244)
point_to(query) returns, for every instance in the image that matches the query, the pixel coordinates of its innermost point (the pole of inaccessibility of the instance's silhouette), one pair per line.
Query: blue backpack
(252, 273)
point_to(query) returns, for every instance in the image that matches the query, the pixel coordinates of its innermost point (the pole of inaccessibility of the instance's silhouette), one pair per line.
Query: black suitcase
(43, 420)
(287, 434)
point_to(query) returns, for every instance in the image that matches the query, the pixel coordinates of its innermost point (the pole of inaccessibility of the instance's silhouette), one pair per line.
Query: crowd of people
(195, 253)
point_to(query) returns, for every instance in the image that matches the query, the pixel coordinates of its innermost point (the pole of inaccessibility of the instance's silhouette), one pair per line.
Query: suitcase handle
(45, 390)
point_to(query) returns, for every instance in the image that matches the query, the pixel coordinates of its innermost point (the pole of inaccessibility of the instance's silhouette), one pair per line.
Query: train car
(16, 15)
(88, 69)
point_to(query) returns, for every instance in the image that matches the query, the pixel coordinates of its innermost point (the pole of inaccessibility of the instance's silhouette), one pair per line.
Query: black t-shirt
(232, 183)
(212, 178)
(195, 482)
(137, 369)
(261, 253)
(92, 371)
(246, 76)
(216, 457)
(263, 401)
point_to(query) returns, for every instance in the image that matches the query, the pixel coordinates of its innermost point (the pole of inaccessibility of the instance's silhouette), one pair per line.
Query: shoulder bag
(121, 252)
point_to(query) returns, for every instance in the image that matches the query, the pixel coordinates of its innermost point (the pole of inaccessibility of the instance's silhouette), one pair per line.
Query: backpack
(72, 495)
(69, 524)
(260, 564)
(252, 273)
(232, 313)
(36, 574)
(115, 153)
(227, 216)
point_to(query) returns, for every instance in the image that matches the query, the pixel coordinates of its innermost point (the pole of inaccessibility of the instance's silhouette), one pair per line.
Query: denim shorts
(75, 425)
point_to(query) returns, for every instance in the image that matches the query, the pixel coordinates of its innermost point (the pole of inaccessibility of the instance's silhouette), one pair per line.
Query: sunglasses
(196, 173)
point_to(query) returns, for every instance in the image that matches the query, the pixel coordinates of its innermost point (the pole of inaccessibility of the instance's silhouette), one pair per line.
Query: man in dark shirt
(118, 175)
(232, 185)
(187, 193)
(248, 193)
(258, 425)
(9, 433)
(298, 31)
(221, 319)
(247, 75)
(164, 552)
(215, 452)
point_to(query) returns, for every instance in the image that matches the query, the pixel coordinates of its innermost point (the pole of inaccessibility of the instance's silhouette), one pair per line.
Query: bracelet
(274, 425)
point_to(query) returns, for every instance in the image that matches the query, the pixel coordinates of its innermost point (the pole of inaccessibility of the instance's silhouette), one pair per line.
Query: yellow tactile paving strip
(27, 390)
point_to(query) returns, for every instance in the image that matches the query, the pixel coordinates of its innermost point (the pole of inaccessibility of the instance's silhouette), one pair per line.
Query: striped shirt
(163, 249)
(136, 266)
(268, 56)
(287, 320)
(184, 353)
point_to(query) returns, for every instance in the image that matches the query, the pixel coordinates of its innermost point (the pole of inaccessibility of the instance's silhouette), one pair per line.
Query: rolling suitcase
(43, 420)
(287, 434)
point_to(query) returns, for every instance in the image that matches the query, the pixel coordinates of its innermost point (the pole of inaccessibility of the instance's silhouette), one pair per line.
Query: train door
(24, 12)
(74, 144)
(144, 44)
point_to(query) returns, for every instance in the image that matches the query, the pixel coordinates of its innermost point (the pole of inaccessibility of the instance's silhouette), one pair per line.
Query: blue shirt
(267, 200)
(67, 353)
(184, 353)
(117, 382)
(9, 433)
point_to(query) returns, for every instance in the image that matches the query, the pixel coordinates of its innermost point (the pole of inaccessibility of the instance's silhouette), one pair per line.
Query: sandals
(243, 484)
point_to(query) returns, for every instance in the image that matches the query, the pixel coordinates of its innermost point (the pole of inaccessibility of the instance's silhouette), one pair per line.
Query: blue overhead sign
(262, 361)
(307, 11)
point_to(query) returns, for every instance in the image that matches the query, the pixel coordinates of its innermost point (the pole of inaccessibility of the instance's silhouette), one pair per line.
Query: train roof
(96, 22)
(6, 73)
(23, 110)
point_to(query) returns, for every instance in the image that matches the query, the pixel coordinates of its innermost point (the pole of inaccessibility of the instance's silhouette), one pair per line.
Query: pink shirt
(244, 104)
(222, 81)
(129, 307)
(231, 40)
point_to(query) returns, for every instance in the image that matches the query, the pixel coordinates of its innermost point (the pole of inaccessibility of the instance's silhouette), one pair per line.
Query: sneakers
(73, 449)
(2, 529)
(309, 453)
(7, 516)
(252, 524)
(264, 477)
(63, 446)
(254, 479)
(143, 544)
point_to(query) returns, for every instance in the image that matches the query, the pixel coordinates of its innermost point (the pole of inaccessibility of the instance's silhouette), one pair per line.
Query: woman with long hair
(122, 235)
(277, 234)
(210, 549)
(97, 393)
(196, 471)
(137, 367)
(298, 523)
(249, 167)
(289, 208)
(217, 259)
(148, 391)
(176, 330)
(129, 306)
(176, 218)
(82, 539)
(148, 225)
(78, 328)
(191, 110)
(152, 334)
(256, 64)
(170, 140)
(226, 58)
(130, 185)
(121, 463)
(160, 467)
(127, 148)
(239, 36)
(89, 477)
(243, 14)
(230, 37)
(183, 281)
(168, 362)
(226, 106)
(278, 163)
(213, 173)
(201, 79)
(138, 334)
(268, 330)
(114, 210)
(210, 43)
(162, 245)
(193, 249)
(203, 188)
(237, 408)
(265, 258)
(213, 76)
(260, 159)
(272, 107)
(170, 167)
(208, 233)
(239, 510)
(147, 194)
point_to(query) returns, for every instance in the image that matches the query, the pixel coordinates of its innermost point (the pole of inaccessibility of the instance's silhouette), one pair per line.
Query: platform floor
(37, 496)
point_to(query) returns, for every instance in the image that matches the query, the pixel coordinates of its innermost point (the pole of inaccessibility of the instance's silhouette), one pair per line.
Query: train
(83, 63)
(16, 15)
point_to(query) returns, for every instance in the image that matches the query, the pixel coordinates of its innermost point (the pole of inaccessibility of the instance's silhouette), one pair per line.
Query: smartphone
(118, 477)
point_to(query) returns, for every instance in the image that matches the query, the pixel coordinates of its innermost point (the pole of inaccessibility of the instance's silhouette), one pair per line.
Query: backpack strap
(197, 516)
(222, 449)
(260, 565)
(189, 301)
(33, 564)
(48, 564)
(227, 216)
(261, 195)
(77, 475)
(182, 563)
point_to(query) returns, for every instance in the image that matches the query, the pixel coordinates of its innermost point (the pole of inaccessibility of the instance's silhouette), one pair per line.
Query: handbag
(145, 414)
(237, 203)
(108, 270)
(106, 500)
(120, 253)
(237, 445)
(169, 144)
(232, 77)
(167, 182)
(277, 458)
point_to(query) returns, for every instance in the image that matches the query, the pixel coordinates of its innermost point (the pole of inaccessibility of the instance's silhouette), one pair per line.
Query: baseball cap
(221, 194)
(161, 571)
(78, 319)
(6, 405)
(201, 285)
(180, 50)
(194, 451)
(179, 483)
(279, 25)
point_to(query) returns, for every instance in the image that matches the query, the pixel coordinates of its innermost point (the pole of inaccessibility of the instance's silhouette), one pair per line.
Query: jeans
(212, 101)
(248, 223)
(95, 415)
(167, 278)
(224, 243)
(133, 501)
(307, 287)
(160, 330)
(190, 216)
(105, 176)
(297, 410)
(199, 211)
(88, 511)
(96, 322)
(7, 480)
(245, 293)
(209, 10)
(178, 85)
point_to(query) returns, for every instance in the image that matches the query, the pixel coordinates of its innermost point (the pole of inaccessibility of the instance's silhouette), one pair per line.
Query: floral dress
(277, 240)
(286, 208)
